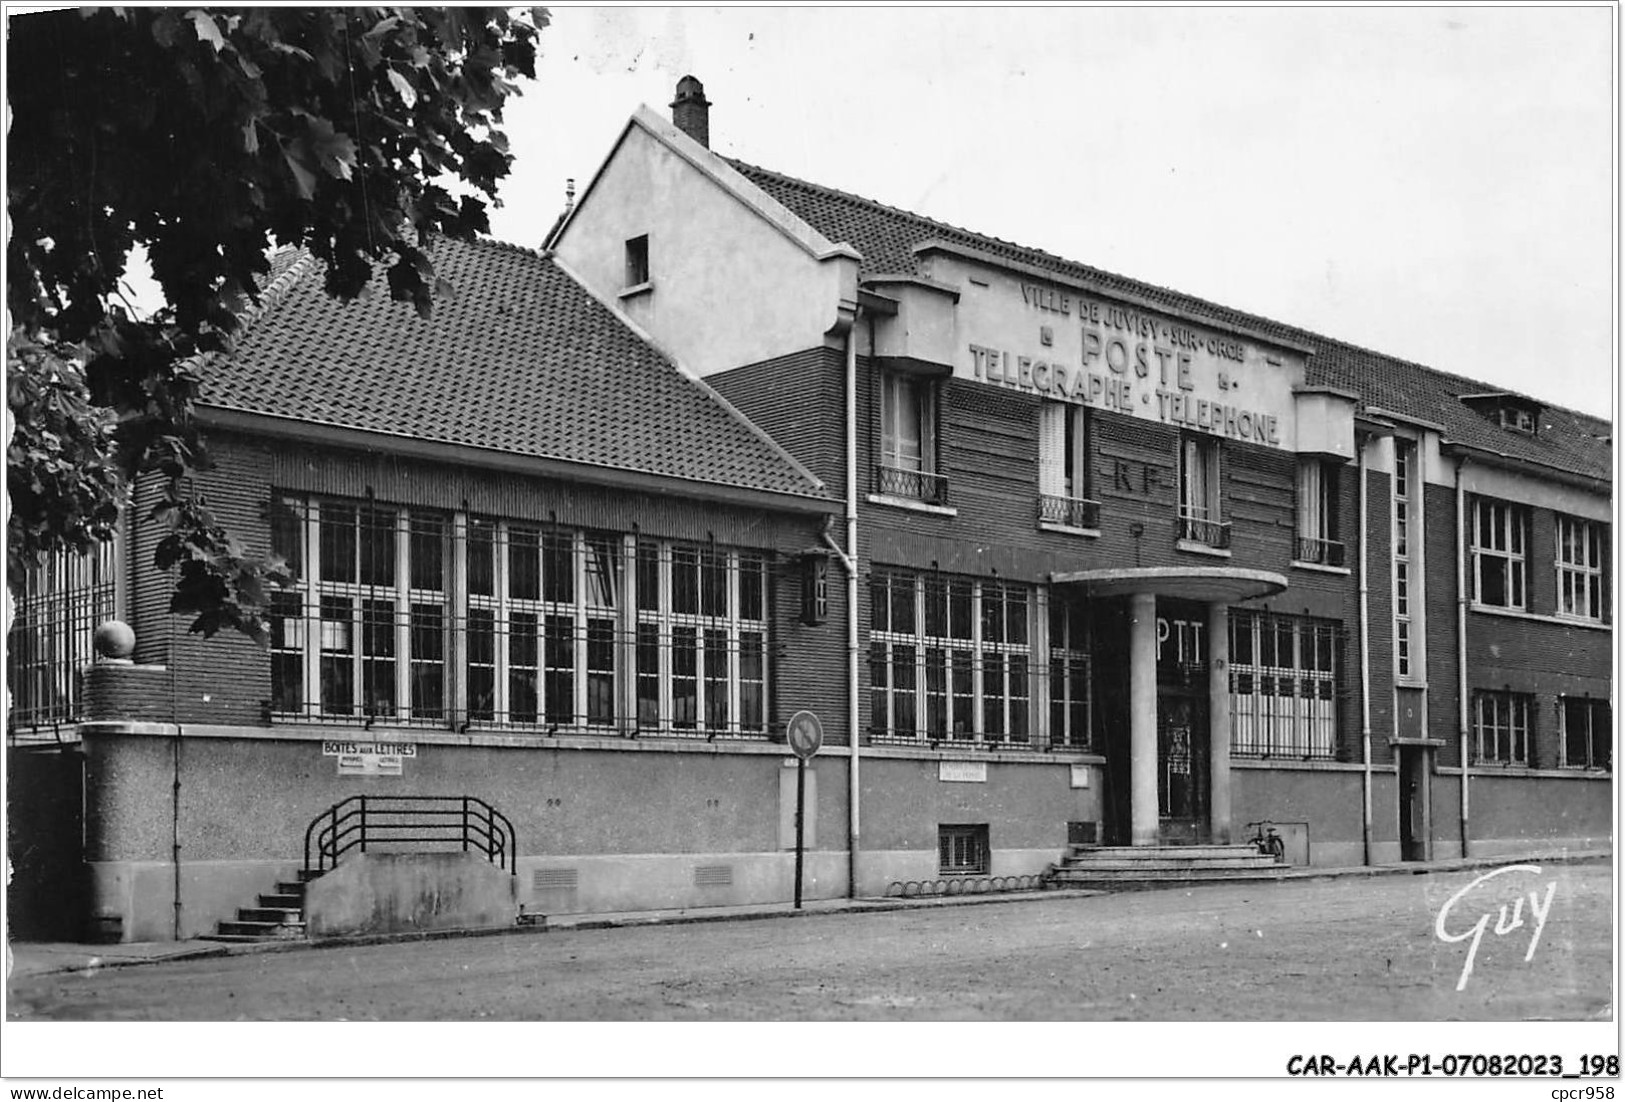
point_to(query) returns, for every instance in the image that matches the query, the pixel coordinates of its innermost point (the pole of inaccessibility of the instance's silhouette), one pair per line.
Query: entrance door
(1413, 803)
(1112, 716)
(1182, 768)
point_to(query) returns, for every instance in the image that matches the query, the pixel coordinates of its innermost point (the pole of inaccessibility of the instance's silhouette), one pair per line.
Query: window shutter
(927, 399)
(1187, 477)
(1308, 498)
(1052, 449)
(888, 417)
(1078, 462)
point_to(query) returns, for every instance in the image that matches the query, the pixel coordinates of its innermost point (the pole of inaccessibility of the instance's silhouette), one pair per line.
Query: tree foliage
(208, 135)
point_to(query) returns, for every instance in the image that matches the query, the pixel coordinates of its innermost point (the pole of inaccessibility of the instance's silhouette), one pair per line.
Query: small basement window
(637, 261)
(962, 849)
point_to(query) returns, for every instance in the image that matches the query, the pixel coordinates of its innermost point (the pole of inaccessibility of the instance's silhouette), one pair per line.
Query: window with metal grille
(361, 634)
(1005, 657)
(1070, 678)
(1581, 555)
(962, 849)
(52, 634)
(949, 659)
(1502, 725)
(547, 636)
(1407, 642)
(1499, 535)
(702, 640)
(1588, 732)
(1285, 685)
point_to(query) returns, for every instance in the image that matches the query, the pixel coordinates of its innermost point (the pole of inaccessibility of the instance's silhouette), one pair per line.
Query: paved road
(1346, 949)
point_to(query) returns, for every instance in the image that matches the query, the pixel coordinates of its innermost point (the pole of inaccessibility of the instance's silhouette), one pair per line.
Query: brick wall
(810, 660)
(799, 401)
(121, 691)
(226, 679)
(988, 451)
(1505, 652)
(1443, 670)
(149, 592)
(1262, 485)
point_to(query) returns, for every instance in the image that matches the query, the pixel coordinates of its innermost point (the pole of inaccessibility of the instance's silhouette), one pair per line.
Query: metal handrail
(357, 821)
(1321, 552)
(1074, 512)
(915, 485)
(1214, 533)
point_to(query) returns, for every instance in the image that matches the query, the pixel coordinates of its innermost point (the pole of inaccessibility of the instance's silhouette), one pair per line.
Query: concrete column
(1142, 662)
(1218, 716)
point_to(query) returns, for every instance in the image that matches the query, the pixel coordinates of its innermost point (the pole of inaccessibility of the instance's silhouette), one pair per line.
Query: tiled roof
(886, 236)
(521, 359)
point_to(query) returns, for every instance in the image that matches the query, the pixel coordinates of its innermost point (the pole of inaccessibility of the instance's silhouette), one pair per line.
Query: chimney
(691, 112)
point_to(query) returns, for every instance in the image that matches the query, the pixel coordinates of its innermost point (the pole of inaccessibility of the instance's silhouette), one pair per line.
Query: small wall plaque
(974, 772)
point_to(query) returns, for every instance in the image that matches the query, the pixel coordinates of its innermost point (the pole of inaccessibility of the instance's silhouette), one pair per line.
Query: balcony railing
(970, 743)
(1074, 512)
(1320, 552)
(914, 485)
(1213, 533)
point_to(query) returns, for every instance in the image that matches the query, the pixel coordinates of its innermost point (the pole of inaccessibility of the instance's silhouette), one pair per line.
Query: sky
(1434, 183)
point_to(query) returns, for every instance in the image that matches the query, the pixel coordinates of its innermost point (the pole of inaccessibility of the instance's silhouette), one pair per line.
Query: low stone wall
(392, 893)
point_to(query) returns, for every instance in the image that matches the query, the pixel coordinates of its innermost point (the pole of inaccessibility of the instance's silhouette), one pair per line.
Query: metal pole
(1360, 443)
(801, 797)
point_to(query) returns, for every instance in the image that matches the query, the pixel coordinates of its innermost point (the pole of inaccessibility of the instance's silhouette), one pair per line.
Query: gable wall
(728, 288)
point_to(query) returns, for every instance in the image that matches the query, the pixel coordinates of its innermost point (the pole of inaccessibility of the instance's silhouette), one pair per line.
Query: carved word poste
(1449, 931)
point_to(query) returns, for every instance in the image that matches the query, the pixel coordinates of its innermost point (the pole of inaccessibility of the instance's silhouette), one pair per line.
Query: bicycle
(1268, 845)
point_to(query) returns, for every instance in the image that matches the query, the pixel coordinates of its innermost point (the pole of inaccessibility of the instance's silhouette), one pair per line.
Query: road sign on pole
(805, 735)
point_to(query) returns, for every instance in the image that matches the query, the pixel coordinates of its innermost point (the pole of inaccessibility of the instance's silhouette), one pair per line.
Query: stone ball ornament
(114, 639)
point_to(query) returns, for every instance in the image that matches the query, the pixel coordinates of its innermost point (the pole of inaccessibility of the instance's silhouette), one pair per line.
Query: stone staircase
(279, 916)
(1132, 868)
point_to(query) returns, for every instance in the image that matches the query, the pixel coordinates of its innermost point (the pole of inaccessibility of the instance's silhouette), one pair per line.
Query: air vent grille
(713, 876)
(545, 880)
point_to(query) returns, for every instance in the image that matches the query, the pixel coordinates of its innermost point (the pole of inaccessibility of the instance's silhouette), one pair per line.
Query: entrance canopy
(1191, 583)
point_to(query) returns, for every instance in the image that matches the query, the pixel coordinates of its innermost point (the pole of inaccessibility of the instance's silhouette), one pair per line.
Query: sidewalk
(24, 959)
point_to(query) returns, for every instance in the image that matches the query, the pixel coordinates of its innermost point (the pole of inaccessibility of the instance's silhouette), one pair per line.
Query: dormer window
(1510, 411)
(1518, 420)
(637, 261)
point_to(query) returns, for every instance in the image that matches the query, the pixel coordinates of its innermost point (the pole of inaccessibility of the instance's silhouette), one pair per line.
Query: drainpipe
(1365, 662)
(849, 562)
(1461, 637)
(851, 565)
